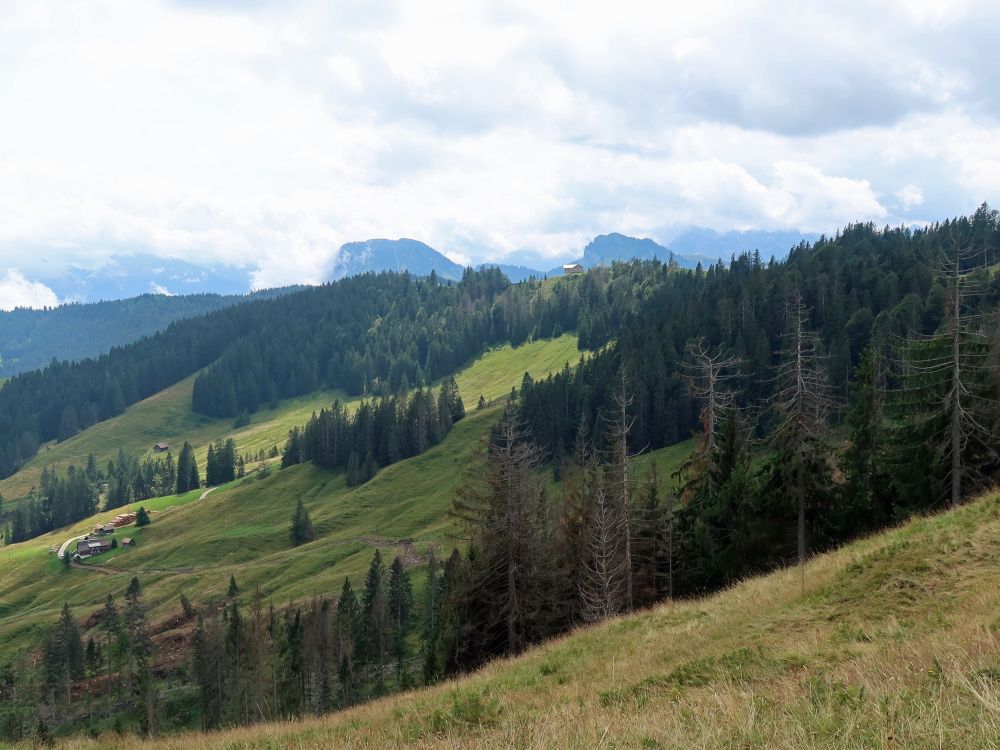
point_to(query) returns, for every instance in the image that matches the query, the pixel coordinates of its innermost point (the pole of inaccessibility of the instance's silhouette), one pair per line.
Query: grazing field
(890, 642)
(241, 528)
(493, 374)
(167, 416)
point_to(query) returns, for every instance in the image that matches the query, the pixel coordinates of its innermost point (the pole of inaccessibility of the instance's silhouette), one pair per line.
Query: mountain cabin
(161, 447)
(90, 547)
(571, 268)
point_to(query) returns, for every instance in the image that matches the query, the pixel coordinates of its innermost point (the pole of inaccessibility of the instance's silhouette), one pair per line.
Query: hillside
(168, 417)
(891, 643)
(32, 338)
(243, 527)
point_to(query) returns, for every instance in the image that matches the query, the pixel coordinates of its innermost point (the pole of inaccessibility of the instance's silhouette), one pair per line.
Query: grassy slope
(892, 643)
(167, 416)
(241, 528)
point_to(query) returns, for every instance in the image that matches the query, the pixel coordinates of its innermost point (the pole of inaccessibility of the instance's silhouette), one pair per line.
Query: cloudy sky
(268, 133)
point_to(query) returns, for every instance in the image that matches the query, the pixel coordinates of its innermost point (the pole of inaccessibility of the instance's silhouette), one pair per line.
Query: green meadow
(167, 415)
(241, 529)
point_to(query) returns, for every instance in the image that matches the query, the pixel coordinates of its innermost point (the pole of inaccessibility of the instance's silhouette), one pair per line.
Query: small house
(90, 547)
(571, 268)
(161, 447)
(128, 542)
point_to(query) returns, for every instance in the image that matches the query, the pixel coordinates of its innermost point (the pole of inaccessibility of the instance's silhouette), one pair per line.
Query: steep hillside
(167, 416)
(32, 338)
(242, 528)
(890, 642)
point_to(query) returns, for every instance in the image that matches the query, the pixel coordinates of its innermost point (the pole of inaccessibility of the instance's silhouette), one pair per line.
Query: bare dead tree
(942, 371)
(709, 375)
(670, 545)
(603, 580)
(620, 427)
(803, 402)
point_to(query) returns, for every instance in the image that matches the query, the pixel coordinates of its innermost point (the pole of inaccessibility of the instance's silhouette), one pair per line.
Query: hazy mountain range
(146, 293)
(32, 338)
(127, 276)
(689, 248)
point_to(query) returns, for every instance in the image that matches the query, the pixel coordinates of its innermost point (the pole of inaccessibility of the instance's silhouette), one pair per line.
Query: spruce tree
(400, 596)
(431, 624)
(187, 470)
(510, 567)
(301, 529)
(348, 627)
(376, 620)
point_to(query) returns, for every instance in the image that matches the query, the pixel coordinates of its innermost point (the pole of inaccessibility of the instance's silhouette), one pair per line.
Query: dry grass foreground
(892, 644)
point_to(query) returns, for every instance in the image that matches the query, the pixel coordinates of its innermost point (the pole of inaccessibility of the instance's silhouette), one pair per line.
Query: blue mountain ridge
(126, 276)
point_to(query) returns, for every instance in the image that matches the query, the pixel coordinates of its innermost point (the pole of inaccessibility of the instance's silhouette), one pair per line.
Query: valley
(591, 545)
(594, 376)
(168, 417)
(242, 528)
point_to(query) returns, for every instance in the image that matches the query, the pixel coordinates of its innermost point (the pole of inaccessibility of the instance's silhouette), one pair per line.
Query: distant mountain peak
(400, 255)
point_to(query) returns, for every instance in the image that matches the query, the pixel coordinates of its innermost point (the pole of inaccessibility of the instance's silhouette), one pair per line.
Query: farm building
(570, 268)
(104, 528)
(161, 447)
(128, 542)
(90, 547)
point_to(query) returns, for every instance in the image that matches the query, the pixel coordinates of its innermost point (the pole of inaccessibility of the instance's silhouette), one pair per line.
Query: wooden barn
(89, 547)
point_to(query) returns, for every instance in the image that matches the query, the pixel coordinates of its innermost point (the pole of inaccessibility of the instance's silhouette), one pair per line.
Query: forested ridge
(30, 339)
(378, 334)
(843, 390)
(830, 395)
(865, 284)
(372, 334)
(316, 337)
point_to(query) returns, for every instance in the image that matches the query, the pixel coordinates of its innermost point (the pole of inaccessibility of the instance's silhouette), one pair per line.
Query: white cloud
(910, 196)
(159, 289)
(268, 134)
(17, 291)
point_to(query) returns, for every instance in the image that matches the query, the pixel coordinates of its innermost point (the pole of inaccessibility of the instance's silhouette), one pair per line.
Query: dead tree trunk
(708, 375)
(956, 383)
(803, 402)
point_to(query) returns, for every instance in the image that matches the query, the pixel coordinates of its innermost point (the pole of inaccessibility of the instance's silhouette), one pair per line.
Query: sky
(267, 134)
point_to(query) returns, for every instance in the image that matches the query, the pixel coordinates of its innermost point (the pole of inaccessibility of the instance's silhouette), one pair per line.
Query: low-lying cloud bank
(265, 135)
(17, 291)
